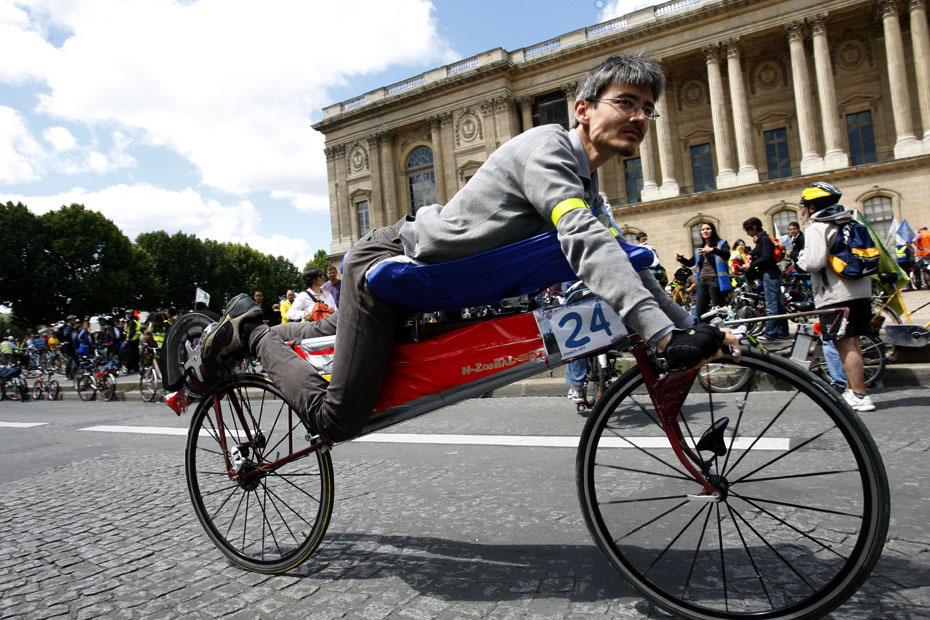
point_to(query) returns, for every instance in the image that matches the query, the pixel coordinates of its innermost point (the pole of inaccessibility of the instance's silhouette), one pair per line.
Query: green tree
(320, 259)
(19, 287)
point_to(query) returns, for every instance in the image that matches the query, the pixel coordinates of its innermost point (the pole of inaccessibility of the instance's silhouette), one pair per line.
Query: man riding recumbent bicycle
(703, 501)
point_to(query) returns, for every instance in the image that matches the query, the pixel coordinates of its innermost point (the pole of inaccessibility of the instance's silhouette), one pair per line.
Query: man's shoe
(229, 337)
(858, 403)
(576, 394)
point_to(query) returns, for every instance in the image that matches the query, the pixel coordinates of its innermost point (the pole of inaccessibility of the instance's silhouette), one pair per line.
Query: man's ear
(583, 108)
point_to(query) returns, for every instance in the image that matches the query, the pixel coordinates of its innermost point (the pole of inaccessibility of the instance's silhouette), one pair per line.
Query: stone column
(348, 227)
(920, 41)
(569, 90)
(376, 205)
(334, 213)
(435, 124)
(650, 189)
(906, 144)
(747, 173)
(526, 111)
(811, 161)
(389, 178)
(834, 156)
(663, 133)
(718, 111)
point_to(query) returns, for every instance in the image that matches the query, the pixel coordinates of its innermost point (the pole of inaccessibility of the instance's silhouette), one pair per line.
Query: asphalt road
(99, 524)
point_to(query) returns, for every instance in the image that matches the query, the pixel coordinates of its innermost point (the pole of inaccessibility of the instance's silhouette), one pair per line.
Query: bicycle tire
(37, 389)
(148, 384)
(85, 388)
(890, 317)
(823, 522)
(108, 387)
(284, 534)
(722, 378)
(12, 389)
(873, 361)
(54, 390)
(594, 384)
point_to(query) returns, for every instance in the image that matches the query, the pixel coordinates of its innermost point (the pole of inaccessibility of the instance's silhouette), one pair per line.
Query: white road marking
(526, 441)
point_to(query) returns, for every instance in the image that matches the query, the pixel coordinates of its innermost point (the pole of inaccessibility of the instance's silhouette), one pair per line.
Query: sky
(195, 115)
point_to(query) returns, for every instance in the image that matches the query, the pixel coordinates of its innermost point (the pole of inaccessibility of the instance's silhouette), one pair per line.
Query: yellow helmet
(820, 194)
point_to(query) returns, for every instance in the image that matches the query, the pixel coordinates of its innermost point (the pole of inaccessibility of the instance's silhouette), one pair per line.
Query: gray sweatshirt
(818, 239)
(527, 187)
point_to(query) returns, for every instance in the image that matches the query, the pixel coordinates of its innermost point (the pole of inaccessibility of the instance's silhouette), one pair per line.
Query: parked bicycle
(96, 375)
(149, 373)
(46, 386)
(771, 501)
(13, 384)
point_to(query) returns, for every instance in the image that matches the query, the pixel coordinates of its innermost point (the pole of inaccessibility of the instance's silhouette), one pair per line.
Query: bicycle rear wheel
(14, 389)
(270, 520)
(803, 509)
(37, 389)
(53, 390)
(108, 386)
(873, 361)
(148, 383)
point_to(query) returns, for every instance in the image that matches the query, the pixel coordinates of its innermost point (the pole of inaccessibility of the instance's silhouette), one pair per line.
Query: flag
(891, 239)
(202, 297)
(887, 263)
(906, 232)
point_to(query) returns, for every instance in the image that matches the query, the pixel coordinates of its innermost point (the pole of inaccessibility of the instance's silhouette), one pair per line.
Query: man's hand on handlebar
(697, 346)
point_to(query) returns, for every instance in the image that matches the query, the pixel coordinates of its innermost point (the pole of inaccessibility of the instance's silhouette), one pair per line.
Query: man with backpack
(839, 268)
(764, 265)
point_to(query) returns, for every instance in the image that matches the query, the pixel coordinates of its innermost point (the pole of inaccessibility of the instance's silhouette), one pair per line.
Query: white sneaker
(859, 403)
(576, 394)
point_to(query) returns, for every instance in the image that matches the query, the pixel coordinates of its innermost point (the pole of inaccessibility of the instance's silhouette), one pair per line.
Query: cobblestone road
(420, 532)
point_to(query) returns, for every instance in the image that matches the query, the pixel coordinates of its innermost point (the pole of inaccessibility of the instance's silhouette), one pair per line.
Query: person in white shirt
(313, 279)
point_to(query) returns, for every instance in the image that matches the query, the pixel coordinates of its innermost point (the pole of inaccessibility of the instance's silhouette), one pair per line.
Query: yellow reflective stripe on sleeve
(565, 206)
(614, 231)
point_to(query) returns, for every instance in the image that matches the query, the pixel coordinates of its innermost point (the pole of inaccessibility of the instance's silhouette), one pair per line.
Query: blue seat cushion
(523, 267)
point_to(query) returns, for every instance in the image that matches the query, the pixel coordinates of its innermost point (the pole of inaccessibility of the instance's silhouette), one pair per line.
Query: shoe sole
(224, 327)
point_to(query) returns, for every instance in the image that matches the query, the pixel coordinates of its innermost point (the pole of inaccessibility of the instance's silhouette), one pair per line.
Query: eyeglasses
(631, 107)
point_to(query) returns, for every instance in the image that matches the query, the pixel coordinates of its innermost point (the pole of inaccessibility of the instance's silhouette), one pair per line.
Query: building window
(878, 212)
(776, 153)
(702, 168)
(780, 221)
(697, 240)
(630, 237)
(861, 138)
(420, 178)
(364, 223)
(633, 177)
(551, 109)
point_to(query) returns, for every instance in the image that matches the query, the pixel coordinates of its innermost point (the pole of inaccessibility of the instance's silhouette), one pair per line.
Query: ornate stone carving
(691, 91)
(851, 51)
(889, 7)
(418, 134)
(468, 128)
(767, 73)
(711, 53)
(732, 48)
(795, 30)
(569, 88)
(818, 23)
(358, 158)
(495, 104)
(335, 152)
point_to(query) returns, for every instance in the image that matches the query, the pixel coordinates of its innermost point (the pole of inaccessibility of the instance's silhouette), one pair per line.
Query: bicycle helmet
(820, 194)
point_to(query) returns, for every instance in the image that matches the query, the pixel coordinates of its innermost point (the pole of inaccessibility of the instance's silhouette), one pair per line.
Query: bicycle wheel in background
(880, 318)
(86, 390)
(148, 383)
(873, 360)
(594, 386)
(37, 389)
(54, 390)
(268, 518)
(803, 505)
(13, 389)
(108, 386)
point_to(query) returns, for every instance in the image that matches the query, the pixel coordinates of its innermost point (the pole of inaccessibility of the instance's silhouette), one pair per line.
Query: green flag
(887, 263)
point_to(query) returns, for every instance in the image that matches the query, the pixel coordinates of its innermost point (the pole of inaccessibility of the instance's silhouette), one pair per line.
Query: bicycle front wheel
(803, 504)
(268, 517)
(148, 383)
(37, 390)
(85, 387)
(108, 387)
(53, 390)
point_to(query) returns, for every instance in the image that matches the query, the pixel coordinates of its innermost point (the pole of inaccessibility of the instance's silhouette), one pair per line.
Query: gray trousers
(339, 409)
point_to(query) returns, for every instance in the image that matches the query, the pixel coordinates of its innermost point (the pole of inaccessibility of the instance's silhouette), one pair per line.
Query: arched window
(420, 178)
(780, 221)
(879, 213)
(696, 239)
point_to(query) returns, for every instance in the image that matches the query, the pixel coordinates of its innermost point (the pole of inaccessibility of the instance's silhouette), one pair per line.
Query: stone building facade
(763, 97)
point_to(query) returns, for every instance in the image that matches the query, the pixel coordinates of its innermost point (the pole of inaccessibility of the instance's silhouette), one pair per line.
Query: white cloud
(21, 156)
(228, 84)
(616, 8)
(308, 203)
(143, 208)
(60, 138)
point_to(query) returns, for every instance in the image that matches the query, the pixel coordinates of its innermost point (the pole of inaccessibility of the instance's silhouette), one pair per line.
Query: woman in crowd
(712, 271)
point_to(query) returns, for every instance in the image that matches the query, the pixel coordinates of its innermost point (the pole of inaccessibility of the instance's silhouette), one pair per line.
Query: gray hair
(636, 70)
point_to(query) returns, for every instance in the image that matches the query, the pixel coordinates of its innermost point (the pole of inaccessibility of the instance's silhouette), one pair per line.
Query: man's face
(793, 230)
(259, 297)
(331, 274)
(609, 127)
(291, 296)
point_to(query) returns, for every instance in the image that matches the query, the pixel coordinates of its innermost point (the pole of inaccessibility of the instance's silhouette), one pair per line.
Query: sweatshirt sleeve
(813, 257)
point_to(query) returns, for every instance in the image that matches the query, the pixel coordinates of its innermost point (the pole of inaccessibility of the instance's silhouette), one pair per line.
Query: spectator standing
(303, 304)
(922, 256)
(713, 273)
(269, 316)
(796, 238)
(905, 258)
(133, 340)
(84, 341)
(656, 268)
(286, 304)
(7, 349)
(763, 265)
(333, 284)
(819, 202)
(739, 258)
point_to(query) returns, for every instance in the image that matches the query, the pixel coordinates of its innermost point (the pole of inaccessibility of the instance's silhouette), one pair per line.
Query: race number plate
(582, 328)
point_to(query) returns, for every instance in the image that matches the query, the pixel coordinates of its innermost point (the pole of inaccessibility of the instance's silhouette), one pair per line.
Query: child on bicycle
(542, 180)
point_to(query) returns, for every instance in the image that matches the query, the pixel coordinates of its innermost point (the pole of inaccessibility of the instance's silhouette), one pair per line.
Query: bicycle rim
(53, 390)
(85, 388)
(108, 387)
(147, 384)
(270, 522)
(37, 390)
(803, 518)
